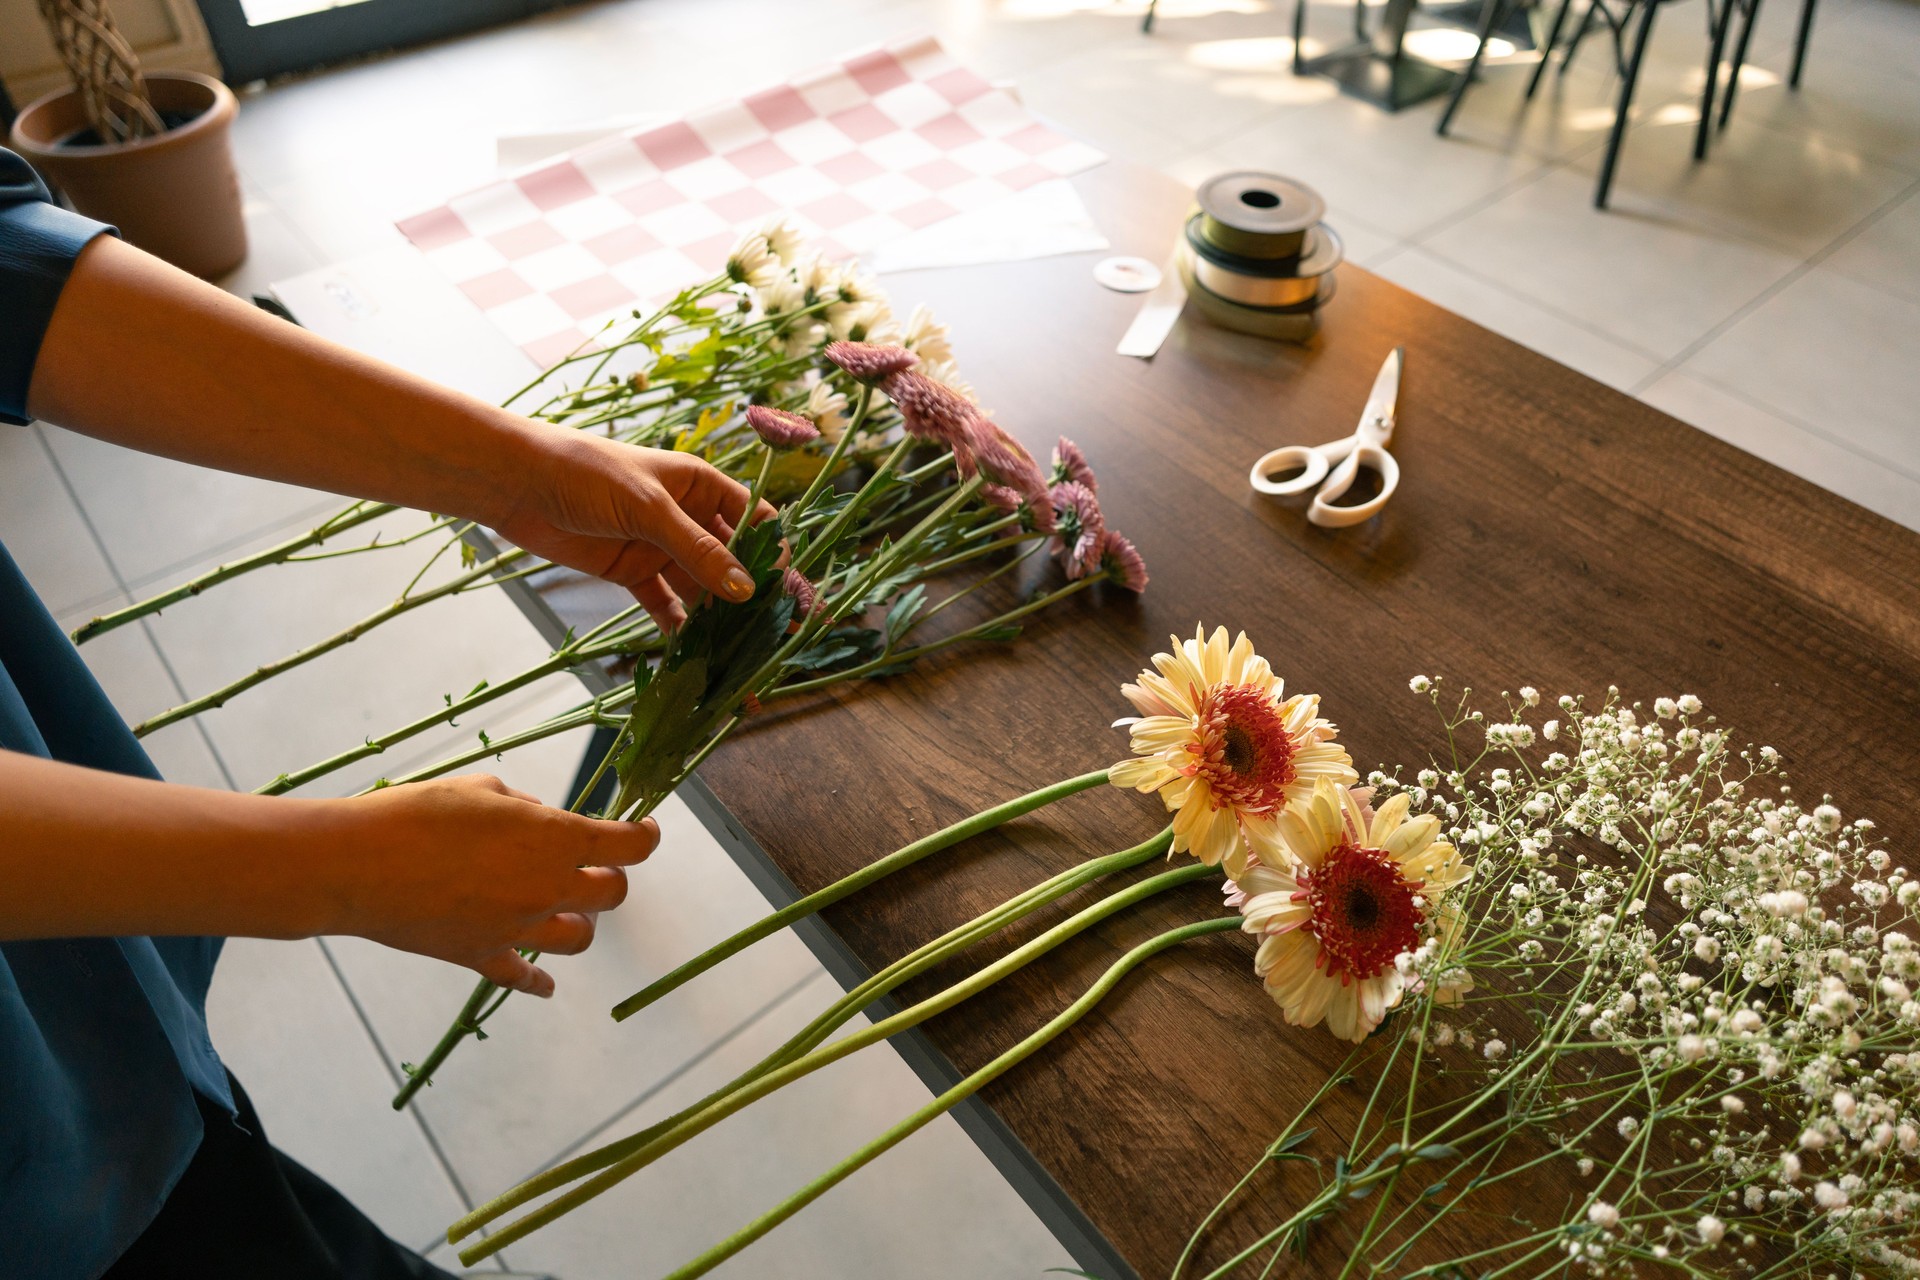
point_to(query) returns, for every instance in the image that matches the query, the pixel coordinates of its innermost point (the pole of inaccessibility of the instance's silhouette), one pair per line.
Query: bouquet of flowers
(900, 500)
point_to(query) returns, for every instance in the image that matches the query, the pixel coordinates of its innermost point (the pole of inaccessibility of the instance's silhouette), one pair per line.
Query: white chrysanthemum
(926, 337)
(828, 409)
(1360, 892)
(752, 262)
(1225, 750)
(784, 240)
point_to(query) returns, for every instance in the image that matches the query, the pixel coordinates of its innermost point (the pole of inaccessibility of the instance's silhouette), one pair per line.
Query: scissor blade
(1386, 391)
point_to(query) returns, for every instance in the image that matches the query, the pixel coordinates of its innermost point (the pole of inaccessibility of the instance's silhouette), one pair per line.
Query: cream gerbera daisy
(1224, 749)
(1365, 888)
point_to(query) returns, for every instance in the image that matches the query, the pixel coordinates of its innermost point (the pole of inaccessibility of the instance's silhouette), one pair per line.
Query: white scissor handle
(1313, 461)
(1328, 516)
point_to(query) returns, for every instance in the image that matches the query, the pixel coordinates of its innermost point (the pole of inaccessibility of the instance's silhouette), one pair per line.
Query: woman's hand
(461, 869)
(201, 376)
(651, 520)
(468, 869)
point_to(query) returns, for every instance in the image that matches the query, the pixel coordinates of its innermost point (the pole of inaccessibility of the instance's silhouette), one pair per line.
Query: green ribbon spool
(1257, 215)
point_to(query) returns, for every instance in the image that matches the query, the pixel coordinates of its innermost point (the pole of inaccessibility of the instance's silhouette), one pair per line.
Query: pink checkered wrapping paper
(887, 142)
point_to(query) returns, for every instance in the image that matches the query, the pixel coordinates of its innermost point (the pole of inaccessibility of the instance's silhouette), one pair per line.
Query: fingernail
(739, 585)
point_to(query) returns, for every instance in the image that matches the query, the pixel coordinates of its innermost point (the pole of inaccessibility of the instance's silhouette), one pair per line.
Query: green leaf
(1434, 1191)
(1291, 1143)
(468, 556)
(907, 608)
(1438, 1151)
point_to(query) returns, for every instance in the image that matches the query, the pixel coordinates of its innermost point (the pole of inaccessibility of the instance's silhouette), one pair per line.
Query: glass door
(260, 38)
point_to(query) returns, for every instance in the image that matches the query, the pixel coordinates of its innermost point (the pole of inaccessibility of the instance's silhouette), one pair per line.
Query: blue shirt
(103, 1041)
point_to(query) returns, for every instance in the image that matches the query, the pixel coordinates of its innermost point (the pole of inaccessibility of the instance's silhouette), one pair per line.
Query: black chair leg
(1739, 60)
(1146, 23)
(1717, 26)
(1800, 43)
(1579, 34)
(1299, 35)
(1627, 83)
(1546, 50)
(1489, 15)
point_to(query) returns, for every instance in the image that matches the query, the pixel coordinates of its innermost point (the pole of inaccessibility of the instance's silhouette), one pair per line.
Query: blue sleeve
(38, 243)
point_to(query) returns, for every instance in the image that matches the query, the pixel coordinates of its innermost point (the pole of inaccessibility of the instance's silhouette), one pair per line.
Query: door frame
(249, 53)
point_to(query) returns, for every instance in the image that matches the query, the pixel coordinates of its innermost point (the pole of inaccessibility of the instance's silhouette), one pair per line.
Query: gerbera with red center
(1364, 888)
(1225, 749)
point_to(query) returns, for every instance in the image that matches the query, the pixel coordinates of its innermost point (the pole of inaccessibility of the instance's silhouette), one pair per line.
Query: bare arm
(463, 870)
(146, 356)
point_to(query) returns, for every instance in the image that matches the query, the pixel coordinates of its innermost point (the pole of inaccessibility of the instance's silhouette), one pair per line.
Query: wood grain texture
(1548, 531)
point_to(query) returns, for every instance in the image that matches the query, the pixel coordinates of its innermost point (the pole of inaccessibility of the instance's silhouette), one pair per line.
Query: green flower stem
(815, 1033)
(761, 1086)
(404, 604)
(466, 1024)
(758, 487)
(580, 651)
(838, 452)
(947, 1101)
(439, 524)
(472, 1014)
(347, 518)
(945, 838)
(838, 524)
(600, 711)
(932, 646)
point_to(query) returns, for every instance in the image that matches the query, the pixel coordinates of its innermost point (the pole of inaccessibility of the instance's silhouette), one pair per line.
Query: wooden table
(1547, 531)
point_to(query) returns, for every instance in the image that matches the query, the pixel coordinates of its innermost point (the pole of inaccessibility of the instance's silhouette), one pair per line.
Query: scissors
(1338, 463)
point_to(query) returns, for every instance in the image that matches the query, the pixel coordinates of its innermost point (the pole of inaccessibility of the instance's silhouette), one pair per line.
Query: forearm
(85, 853)
(151, 358)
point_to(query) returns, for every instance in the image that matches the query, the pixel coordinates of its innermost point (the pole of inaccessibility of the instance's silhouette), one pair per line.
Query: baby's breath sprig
(1679, 980)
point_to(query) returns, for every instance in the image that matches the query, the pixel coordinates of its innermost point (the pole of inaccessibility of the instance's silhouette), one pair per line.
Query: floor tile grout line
(180, 691)
(671, 1077)
(654, 1090)
(304, 519)
(1549, 308)
(395, 1076)
(1794, 420)
(93, 532)
(1799, 272)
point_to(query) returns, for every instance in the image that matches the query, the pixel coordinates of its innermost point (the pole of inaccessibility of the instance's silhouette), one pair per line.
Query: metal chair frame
(1720, 17)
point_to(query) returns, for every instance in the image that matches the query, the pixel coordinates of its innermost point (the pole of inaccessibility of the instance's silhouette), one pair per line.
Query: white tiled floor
(1770, 296)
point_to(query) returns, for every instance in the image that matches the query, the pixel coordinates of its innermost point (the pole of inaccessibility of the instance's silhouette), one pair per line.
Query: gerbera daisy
(1364, 889)
(1224, 748)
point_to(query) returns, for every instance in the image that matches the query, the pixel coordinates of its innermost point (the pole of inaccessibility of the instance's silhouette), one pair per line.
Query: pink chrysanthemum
(1002, 460)
(1036, 519)
(1071, 464)
(1000, 498)
(1079, 528)
(1122, 562)
(779, 428)
(868, 362)
(806, 596)
(930, 411)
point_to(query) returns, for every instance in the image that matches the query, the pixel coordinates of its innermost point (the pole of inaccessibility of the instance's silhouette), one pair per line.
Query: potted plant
(149, 153)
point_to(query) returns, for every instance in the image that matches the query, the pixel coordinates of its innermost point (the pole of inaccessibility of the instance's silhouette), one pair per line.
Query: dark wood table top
(1547, 531)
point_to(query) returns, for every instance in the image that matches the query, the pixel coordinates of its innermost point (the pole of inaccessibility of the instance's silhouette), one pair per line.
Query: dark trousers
(245, 1211)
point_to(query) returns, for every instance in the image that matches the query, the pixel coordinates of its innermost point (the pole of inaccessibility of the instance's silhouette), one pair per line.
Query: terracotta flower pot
(174, 195)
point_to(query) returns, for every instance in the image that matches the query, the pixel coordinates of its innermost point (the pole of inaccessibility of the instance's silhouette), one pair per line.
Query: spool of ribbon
(1256, 258)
